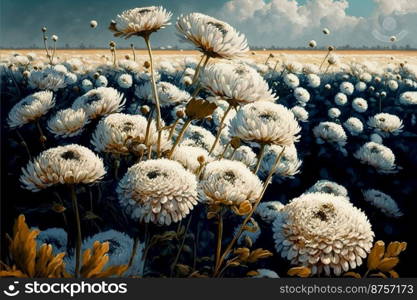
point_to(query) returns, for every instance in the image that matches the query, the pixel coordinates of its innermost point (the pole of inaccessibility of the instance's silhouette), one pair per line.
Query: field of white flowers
(225, 164)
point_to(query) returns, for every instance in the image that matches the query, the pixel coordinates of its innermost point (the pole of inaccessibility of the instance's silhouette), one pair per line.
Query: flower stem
(260, 157)
(133, 51)
(155, 96)
(197, 69)
(173, 126)
(219, 238)
(177, 257)
(42, 137)
(134, 250)
(24, 144)
(78, 224)
(179, 137)
(248, 217)
(219, 131)
(322, 63)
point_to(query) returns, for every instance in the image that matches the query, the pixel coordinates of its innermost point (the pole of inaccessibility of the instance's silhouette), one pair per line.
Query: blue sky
(265, 22)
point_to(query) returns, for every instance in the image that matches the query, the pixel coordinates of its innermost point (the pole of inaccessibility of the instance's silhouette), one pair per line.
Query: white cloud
(287, 23)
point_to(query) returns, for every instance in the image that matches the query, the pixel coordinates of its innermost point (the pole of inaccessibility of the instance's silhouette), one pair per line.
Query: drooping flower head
(31, 108)
(70, 164)
(159, 191)
(213, 37)
(323, 232)
(266, 123)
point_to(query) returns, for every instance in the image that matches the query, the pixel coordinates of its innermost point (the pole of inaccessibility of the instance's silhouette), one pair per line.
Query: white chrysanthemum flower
(125, 81)
(330, 132)
(268, 211)
(213, 37)
(346, 88)
(236, 83)
(386, 124)
(141, 21)
(378, 156)
(101, 81)
(188, 157)
(60, 69)
(70, 164)
(302, 96)
(334, 113)
(48, 79)
(169, 94)
(366, 77)
(376, 138)
(265, 273)
(333, 59)
(300, 113)
(340, 99)
(288, 166)
(245, 155)
(354, 126)
(323, 232)
(200, 137)
(71, 78)
(311, 69)
(328, 187)
(118, 133)
(229, 182)
(86, 85)
(68, 122)
(159, 191)
(393, 85)
(31, 108)
(252, 234)
(383, 202)
(360, 105)
(313, 80)
(20, 60)
(128, 65)
(408, 98)
(266, 123)
(293, 67)
(291, 80)
(100, 102)
(360, 86)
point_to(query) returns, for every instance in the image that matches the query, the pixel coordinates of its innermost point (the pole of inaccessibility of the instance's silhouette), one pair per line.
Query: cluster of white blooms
(408, 98)
(378, 156)
(386, 124)
(324, 232)
(383, 202)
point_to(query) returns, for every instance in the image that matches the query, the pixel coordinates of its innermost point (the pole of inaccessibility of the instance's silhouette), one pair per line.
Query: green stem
(260, 157)
(177, 257)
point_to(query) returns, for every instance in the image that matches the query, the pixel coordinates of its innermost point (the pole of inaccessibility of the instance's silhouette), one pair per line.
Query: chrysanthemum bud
(235, 142)
(312, 44)
(331, 48)
(54, 38)
(96, 75)
(44, 29)
(147, 64)
(93, 23)
(112, 44)
(180, 113)
(127, 56)
(201, 159)
(26, 74)
(144, 109)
